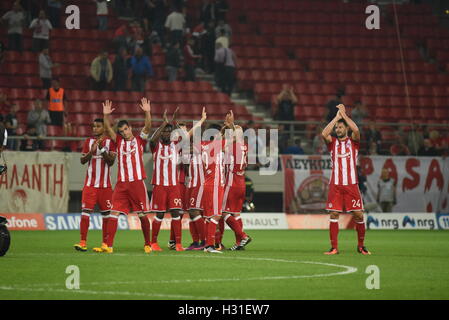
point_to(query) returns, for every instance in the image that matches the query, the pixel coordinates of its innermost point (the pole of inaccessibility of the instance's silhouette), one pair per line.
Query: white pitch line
(348, 270)
(120, 293)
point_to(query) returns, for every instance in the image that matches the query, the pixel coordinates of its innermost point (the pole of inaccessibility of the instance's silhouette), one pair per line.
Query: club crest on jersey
(330, 205)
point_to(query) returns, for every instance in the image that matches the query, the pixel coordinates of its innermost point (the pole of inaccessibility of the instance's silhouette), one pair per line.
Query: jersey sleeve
(112, 146)
(356, 144)
(85, 146)
(330, 145)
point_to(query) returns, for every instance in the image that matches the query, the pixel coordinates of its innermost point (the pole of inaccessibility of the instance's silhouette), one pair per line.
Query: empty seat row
(359, 54)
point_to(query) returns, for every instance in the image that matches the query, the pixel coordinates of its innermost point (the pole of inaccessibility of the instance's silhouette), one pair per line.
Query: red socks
(193, 231)
(105, 227)
(211, 226)
(219, 231)
(84, 225)
(172, 231)
(177, 229)
(156, 227)
(145, 225)
(360, 227)
(200, 227)
(112, 229)
(240, 222)
(333, 232)
(235, 226)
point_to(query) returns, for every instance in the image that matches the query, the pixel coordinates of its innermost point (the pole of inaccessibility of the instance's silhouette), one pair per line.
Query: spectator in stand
(359, 113)
(41, 32)
(427, 149)
(141, 68)
(286, 101)
(294, 147)
(318, 145)
(223, 29)
(54, 12)
(222, 39)
(175, 25)
(101, 71)
(39, 118)
(121, 37)
(158, 10)
(45, 68)
(173, 61)
(15, 19)
(190, 60)
(415, 139)
(28, 144)
(209, 11)
(386, 191)
(120, 70)
(2, 52)
(11, 125)
(373, 149)
(226, 63)
(332, 107)
(208, 47)
(222, 9)
(102, 14)
(149, 37)
(57, 103)
(399, 148)
(70, 130)
(373, 136)
(5, 105)
(136, 36)
(437, 141)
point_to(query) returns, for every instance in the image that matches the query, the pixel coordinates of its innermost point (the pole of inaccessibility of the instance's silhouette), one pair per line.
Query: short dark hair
(343, 121)
(169, 125)
(182, 123)
(121, 123)
(99, 120)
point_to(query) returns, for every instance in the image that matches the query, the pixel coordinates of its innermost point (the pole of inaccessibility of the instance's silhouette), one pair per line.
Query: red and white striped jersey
(98, 171)
(236, 157)
(130, 158)
(344, 155)
(165, 164)
(212, 154)
(196, 171)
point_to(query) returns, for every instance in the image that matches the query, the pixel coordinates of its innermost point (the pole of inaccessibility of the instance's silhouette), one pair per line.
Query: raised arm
(157, 134)
(145, 105)
(355, 130)
(107, 110)
(326, 133)
(199, 123)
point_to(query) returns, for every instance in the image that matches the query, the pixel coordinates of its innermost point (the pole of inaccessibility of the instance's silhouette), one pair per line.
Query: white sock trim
(238, 217)
(360, 222)
(177, 218)
(196, 218)
(157, 219)
(227, 217)
(333, 220)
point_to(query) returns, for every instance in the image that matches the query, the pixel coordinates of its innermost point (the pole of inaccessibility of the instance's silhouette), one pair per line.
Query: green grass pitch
(276, 265)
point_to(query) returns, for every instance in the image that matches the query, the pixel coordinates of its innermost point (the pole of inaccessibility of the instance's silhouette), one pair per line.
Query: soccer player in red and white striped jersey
(130, 193)
(344, 194)
(236, 156)
(99, 153)
(212, 159)
(166, 194)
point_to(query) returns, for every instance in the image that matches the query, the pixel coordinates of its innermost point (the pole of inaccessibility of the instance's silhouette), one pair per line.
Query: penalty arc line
(348, 270)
